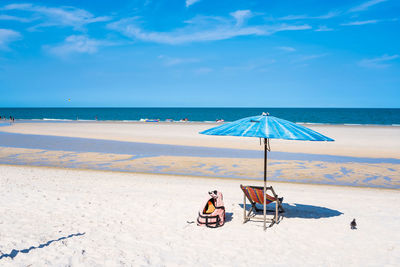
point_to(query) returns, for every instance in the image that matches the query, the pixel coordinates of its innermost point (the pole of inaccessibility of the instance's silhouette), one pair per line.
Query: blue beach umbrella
(266, 127)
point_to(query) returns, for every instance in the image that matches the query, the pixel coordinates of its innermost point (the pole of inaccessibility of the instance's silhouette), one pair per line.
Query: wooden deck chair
(255, 195)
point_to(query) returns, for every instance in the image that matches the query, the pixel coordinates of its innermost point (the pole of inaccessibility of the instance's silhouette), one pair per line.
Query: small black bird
(353, 224)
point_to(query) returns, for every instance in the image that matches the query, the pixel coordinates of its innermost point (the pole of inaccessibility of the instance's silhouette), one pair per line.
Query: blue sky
(202, 53)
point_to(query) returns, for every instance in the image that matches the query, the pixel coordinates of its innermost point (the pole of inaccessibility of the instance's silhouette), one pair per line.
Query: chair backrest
(256, 194)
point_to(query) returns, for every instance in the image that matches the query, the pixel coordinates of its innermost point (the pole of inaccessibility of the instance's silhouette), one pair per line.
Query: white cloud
(172, 61)
(14, 18)
(377, 63)
(363, 22)
(76, 44)
(7, 36)
(57, 16)
(366, 5)
(258, 65)
(203, 70)
(329, 15)
(304, 58)
(200, 29)
(323, 28)
(191, 2)
(241, 16)
(286, 48)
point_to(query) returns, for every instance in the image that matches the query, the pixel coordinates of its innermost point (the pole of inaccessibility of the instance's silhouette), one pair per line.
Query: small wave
(48, 119)
(315, 123)
(193, 121)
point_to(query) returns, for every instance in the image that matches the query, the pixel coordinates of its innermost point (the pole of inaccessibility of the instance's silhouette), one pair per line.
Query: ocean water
(361, 116)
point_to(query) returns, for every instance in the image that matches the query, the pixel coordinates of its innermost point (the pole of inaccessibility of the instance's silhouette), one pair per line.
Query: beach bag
(212, 213)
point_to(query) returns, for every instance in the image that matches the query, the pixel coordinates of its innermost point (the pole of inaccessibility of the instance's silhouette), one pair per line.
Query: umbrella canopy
(266, 126)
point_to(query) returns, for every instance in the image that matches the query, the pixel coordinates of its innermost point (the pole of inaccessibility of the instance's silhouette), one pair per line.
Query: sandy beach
(60, 217)
(126, 194)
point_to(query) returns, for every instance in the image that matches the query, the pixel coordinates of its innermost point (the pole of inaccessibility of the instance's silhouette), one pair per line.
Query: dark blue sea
(387, 116)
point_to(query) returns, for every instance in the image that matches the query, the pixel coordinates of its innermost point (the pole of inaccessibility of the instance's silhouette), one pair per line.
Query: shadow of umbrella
(15, 252)
(295, 210)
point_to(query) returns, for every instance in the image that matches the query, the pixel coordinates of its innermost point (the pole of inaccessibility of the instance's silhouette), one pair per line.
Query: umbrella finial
(265, 114)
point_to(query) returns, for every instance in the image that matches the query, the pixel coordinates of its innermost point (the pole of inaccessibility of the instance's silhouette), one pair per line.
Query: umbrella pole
(265, 183)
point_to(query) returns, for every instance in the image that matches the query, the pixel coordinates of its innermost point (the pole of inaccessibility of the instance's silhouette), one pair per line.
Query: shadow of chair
(15, 252)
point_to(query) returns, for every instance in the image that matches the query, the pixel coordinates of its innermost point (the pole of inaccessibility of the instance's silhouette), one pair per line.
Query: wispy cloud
(286, 48)
(7, 36)
(379, 62)
(76, 44)
(304, 58)
(258, 65)
(323, 28)
(57, 16)
(329, 15)
(360, 22)
(14, 18)
(173, 61)
(201, 29)
(241, 16)
(366, 5)
(203, 70)
(365, 22)
(191, 2)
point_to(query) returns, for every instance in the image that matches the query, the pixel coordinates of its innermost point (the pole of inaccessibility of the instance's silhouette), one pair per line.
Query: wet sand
(350, 140)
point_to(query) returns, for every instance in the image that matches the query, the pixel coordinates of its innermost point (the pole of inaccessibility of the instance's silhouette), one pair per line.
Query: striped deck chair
(255, 195)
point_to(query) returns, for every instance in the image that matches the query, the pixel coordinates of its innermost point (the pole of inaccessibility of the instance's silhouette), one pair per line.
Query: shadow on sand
(228, 216)
(295, 210)
(15, 252)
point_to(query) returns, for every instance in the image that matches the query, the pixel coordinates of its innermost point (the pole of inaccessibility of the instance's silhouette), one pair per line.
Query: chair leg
(248, 214)
(244, 209)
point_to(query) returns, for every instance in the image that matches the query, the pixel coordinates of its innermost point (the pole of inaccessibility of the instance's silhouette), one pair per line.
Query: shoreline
(360, 156)
(49, 120)
(183, 176)
(382, 175)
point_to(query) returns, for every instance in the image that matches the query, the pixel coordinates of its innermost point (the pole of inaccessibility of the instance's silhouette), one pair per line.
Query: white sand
(357, 141)
(138, 220)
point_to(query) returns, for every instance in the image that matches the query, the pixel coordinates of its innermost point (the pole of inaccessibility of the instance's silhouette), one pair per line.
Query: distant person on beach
(13, 119)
